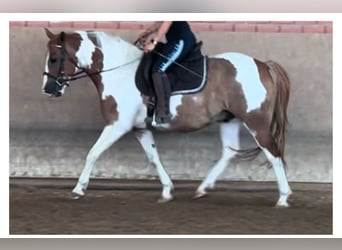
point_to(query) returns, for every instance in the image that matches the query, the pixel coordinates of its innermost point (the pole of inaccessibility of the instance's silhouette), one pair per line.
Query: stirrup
(148, 120)
(163, 119)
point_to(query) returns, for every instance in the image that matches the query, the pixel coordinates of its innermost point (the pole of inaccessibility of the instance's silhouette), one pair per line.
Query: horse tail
(279, 119)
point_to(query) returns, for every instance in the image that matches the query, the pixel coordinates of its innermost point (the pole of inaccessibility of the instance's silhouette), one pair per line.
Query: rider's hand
(149, 47)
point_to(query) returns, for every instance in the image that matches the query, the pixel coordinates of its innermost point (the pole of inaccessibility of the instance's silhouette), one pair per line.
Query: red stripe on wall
(323, 27)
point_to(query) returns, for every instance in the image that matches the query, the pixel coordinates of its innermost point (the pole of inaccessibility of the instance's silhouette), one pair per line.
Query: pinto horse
(240, 90)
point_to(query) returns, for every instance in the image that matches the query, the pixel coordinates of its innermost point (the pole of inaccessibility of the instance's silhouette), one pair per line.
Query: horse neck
(112, 55)
(125, 52)
(114, 51)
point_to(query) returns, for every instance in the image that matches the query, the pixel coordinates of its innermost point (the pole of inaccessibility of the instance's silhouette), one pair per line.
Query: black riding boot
(163, 91)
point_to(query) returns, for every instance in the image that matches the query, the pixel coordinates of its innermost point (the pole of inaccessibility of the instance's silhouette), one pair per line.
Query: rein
(75, 77)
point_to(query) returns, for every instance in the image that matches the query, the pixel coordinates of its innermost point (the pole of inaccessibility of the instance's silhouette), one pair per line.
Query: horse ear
(49, 33)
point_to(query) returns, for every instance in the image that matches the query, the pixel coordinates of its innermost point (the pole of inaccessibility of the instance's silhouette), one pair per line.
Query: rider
(180, 40)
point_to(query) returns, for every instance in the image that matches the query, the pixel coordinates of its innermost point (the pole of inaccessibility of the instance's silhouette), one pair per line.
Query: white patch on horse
(123, 58)
(175, 102)
(249, 78)
(197, 99)
(85, 51)
(45, 77)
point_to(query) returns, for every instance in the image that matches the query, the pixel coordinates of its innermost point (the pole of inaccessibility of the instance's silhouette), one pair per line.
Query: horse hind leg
(229, 133)
(145, 137)
(267, 144)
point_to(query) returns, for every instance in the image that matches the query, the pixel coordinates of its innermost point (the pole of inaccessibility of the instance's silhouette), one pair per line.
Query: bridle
(62, 79)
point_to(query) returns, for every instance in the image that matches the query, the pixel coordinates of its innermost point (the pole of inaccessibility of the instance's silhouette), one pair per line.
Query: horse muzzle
(53, 89)
(55, 86)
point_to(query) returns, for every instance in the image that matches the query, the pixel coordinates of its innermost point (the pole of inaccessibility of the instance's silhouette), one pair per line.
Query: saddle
(187, 76)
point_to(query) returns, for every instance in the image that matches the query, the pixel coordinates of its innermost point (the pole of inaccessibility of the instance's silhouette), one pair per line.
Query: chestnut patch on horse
(221, 99)
(109, 110)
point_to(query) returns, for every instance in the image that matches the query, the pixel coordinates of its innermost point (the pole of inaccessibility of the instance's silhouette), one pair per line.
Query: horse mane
(115, 49)
(96, 36)
(103, 37)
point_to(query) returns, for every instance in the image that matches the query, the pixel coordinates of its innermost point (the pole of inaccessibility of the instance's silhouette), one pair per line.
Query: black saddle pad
(187, 78)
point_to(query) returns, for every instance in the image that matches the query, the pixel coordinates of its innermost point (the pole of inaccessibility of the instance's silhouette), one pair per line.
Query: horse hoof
(282, 205)
(200, 194)
(165, 199)
(76, 196)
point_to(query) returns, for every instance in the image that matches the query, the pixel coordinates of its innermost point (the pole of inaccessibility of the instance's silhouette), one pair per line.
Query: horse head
(61, 62)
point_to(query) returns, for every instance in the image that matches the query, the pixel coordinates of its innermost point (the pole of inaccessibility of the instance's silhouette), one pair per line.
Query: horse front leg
(145, 137)
(110, 134)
